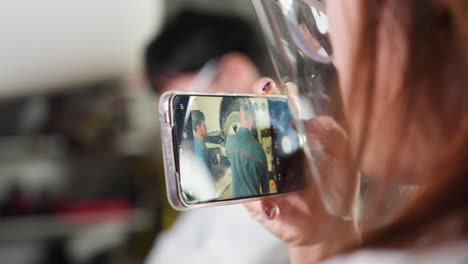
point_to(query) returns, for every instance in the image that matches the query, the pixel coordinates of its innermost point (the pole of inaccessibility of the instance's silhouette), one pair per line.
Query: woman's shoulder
(452, 252)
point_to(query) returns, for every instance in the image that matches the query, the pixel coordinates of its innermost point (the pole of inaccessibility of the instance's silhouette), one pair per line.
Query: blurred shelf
(20, 229)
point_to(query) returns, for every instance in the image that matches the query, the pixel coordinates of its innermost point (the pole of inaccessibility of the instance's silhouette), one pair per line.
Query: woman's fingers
(265, 86)
(271, 210)
(254, 209)
(263, 210)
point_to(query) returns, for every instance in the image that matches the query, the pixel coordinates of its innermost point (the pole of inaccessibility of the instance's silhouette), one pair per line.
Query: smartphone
(222, 148)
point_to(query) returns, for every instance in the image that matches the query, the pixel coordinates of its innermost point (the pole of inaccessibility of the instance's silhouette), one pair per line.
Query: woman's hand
(300, 219)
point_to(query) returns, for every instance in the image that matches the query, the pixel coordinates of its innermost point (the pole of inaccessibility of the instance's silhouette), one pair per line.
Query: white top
(224, 234)
(454, 252)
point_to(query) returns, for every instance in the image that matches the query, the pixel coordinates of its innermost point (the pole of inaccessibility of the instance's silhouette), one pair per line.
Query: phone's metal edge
(171, 173)
(239, 200)
(172, 93)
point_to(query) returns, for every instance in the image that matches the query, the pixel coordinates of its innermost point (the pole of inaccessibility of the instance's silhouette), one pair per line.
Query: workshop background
(81, 176)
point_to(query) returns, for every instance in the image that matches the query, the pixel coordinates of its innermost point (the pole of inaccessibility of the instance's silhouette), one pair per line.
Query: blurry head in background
(193, 39)
(198, 123)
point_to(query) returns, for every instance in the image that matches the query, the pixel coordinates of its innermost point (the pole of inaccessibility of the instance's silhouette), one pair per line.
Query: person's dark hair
(197, 118)
(191, 39)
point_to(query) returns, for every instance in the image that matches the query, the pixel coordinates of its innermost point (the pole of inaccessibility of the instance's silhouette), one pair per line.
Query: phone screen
(231, 147)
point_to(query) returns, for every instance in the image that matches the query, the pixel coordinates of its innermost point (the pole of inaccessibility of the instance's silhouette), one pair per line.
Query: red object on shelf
(92, 211)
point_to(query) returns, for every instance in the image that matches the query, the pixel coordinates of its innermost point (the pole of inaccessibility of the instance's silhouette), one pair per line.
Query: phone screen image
(231, 147)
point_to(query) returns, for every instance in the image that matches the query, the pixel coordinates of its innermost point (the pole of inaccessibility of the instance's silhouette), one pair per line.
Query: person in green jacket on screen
(247, 158)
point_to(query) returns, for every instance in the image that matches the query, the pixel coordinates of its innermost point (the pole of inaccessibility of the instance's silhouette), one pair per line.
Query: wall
(50, 44)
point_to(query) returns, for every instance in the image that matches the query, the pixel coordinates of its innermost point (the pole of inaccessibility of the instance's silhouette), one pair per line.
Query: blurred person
(191, 40)
(407, 127)
(199, 132)
(247, 158)
(174, 59)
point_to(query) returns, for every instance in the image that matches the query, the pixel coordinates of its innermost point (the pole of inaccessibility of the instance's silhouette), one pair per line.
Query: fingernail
(271, 211)
(266, 85)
